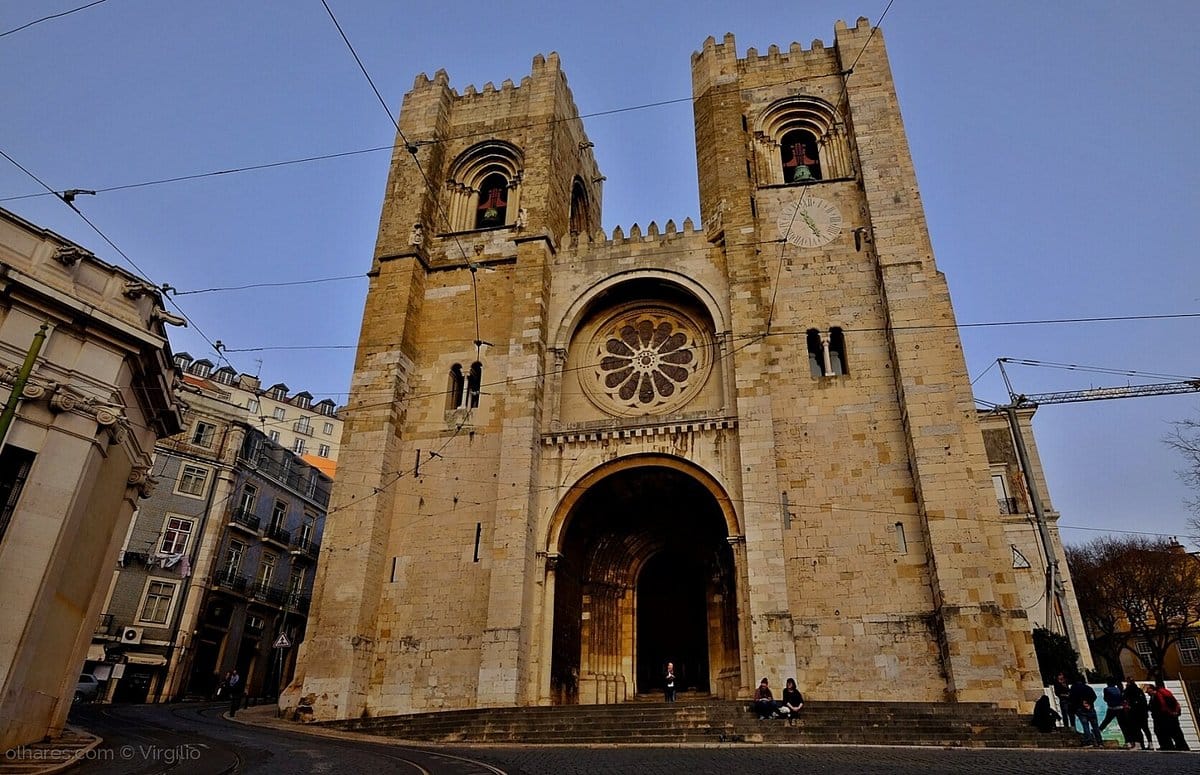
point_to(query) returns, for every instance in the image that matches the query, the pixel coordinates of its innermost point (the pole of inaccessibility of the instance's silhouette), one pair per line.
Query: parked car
(87, 689)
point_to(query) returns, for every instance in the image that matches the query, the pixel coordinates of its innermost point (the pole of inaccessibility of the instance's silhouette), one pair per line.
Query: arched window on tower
(464, 389)
(580, 221)
(801, 139)
(484, 187)
(493, 202)
(837, 353)
(816, 354)
(456, 389)
(801, 160)
(827, 353)
(474, 384)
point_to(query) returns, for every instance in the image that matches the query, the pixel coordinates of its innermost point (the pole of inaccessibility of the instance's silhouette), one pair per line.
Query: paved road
(197, 740)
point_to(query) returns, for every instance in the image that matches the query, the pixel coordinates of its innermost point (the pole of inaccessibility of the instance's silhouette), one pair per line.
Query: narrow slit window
(474, 384)
(816, 354)
(837, 352)
(454, 394)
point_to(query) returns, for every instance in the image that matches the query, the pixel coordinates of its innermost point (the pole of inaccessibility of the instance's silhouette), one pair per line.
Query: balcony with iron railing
(1008, 505)
(245, 520)
(276, 532)
(303, 428)
(303, 548)
(230, 580)
(264, 592)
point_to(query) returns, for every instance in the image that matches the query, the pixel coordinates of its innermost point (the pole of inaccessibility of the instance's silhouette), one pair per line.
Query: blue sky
(1054, 145)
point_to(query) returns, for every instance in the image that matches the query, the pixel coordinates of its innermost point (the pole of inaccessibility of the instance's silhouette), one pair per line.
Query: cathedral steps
(719, 721)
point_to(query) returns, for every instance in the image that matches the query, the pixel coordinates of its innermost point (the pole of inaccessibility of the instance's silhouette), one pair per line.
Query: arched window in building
(474, 384)
(800, 157)
(493, 202)
(827, 353)
(837, 353)
(801, 140)
(464, 389)
(816, 353)
(580, 217)
(485, 186)
(457, 387)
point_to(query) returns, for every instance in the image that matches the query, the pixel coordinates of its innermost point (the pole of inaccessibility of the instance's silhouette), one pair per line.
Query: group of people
(1131, 706)
(766, 706)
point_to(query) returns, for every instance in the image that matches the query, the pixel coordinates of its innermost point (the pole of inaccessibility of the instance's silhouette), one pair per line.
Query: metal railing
(230, 580)
(1008, 505)
(278, 534)
(243, 518)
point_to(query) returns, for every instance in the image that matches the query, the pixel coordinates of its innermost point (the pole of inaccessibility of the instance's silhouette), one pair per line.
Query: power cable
(67, 198)
(51, 16)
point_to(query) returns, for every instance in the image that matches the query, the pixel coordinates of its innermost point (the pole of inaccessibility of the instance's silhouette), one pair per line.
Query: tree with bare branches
(1186, 440)
(1131, 589)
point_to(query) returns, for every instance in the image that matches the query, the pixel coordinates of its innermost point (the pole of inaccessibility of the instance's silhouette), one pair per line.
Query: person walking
(1083, 700)
(669, 682)
(1139, 714)
(1114, 702)
(235, 692)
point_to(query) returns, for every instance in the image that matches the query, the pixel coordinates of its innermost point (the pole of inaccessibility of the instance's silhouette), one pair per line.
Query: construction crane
(1054, 587)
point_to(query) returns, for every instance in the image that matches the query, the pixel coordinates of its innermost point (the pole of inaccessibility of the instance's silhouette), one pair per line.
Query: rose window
(647, 360)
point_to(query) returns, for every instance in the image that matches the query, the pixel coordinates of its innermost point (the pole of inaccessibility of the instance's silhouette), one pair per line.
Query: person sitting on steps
(765, 705)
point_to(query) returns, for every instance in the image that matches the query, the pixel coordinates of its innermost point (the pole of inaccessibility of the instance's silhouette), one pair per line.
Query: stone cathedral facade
(747, 445)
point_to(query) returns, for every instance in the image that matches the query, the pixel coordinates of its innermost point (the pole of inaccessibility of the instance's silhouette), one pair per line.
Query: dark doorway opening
(672, 623)
(645, 575)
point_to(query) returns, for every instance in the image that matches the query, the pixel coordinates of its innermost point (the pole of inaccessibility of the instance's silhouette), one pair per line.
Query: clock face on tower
(810, 222)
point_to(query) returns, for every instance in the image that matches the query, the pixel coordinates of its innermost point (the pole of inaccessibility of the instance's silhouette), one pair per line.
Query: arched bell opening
(645, 574)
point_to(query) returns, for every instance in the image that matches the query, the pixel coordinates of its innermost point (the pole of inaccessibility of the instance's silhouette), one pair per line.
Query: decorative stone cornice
(140, 478)
(69, 255)
(639, 431)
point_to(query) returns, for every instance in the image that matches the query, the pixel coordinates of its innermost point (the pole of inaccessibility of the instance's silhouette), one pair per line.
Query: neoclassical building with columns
(746, 445)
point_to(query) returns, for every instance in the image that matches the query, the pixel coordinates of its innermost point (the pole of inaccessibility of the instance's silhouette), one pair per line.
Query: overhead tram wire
(27, 25)
(145, 277)
(412, 151)
(750, 337)
(390, 147)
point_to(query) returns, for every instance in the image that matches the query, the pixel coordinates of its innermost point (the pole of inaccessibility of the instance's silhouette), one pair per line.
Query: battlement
(636, 238)
(721, 59)
(542, 67)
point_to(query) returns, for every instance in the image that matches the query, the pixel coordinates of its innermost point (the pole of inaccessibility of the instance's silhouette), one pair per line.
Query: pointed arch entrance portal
(645, 574)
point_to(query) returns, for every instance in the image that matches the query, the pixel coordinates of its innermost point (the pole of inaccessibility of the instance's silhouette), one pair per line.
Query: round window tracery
(647, 359)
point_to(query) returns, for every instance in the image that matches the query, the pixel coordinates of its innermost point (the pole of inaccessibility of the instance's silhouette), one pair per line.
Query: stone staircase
(721, 721)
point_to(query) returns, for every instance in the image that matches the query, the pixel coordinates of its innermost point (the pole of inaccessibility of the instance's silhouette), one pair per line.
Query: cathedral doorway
(645, 574)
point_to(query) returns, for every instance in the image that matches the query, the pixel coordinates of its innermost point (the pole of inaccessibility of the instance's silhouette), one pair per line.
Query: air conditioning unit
(131, 634)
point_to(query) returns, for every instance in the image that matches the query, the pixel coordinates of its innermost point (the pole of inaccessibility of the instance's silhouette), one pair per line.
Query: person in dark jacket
(1114, 701)
(765, 705)
(793, 700)
(1045, 718)
(1165, 711)
(1062, 690)
(1083, 700)
(1138, 714)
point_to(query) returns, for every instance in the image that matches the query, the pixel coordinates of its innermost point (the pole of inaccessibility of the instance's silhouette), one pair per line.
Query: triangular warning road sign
(282, 641)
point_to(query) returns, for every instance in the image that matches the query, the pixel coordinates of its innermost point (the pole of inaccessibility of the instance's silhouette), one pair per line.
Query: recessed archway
(644, 573)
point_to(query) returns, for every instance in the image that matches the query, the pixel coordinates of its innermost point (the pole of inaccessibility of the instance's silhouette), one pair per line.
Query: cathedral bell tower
(482, 185)
(807, 181)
